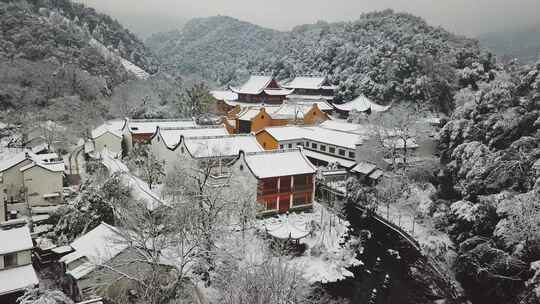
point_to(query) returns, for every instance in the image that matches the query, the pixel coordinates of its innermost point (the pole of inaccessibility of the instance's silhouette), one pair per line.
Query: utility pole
(24, 191)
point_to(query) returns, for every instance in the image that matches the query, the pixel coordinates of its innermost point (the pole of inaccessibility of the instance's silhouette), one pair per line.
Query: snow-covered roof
(322, 104)
(248, 114)
(333, 137)
(46, 157)
(40, 148)
(310, 97)
(254, 85)
(17, 278)
(172, 136)
(278, 163)
(315, 133)
(15, 240)
(149, 126)
(344, 126)
(364, 168)
(361, 104)
(114, 127)
(328, 158)
(13, 161)
(284, 229)
(284, 133)
(257, 84)
(53, 167)
(278, 92)
(221, 146)
(99, 245)
(306, 82)
(224, 95)
(376, 174)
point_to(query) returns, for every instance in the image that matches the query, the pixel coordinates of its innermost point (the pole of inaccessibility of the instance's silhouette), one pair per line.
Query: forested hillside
(54, 49)
(490, 189)
(388, 56)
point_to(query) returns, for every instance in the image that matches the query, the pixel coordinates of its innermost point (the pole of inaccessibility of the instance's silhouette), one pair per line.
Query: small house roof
(306, 82)
(247, 114)
(224, 95)
(361, 104)
(53, 167)
(15, 240)
(364, 168)
(172, 136)
(99, 246)
(113, 126)
(278, 163)
(149, 126)
(13, 161)
(17, 278)
(221, 146)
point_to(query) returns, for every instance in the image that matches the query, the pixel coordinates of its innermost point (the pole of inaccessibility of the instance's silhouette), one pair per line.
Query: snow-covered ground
(433, 242)
(324, 260)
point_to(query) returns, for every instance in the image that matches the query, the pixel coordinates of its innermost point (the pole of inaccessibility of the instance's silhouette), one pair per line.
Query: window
(332, 150)
(290, 146)
(182, 150)
(352, 155)
(299, 144)
(241, 167)
(281, 146)
(1, 178)
(307, 144)
(262, 116)
(10, 260)
(323, 148)
(341, 152)
(314, 145)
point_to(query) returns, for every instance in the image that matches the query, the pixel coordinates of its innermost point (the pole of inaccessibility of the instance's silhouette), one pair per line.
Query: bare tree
(271, 281)
(397, 131)
(147, 165)
(161, 248)
(220, 199)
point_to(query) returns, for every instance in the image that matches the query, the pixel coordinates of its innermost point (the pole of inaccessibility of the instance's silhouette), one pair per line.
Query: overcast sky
(468, 17)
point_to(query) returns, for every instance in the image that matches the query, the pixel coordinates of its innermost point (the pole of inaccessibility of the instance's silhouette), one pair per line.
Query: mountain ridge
(385, 55)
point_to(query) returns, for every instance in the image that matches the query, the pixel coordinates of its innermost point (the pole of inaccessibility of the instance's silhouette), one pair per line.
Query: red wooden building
(284, 180)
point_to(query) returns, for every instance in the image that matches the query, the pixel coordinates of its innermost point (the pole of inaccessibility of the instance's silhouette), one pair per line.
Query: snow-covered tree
(37, 296)
(270, 282)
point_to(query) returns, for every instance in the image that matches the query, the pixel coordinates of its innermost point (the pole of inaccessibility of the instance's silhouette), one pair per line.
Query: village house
(16, 270)
(217, 151)
(142, 130)
(281, 180)
(311, 88)
(253, 119)
(359, 104)
(99, 246)
(165, 141)
(107, 136)
(31, 177)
